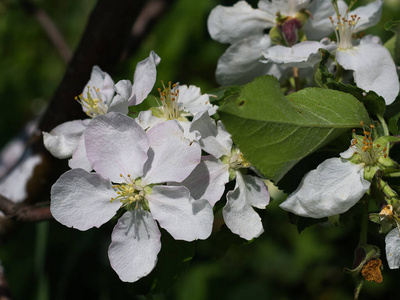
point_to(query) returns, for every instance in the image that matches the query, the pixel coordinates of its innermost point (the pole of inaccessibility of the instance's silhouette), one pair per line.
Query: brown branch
(24, 213)
(153, 10)
(50, 28)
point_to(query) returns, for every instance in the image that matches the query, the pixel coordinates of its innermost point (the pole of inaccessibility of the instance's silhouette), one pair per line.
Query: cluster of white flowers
(253, 52)
(168, 167)
(151, 167)
(282, 36)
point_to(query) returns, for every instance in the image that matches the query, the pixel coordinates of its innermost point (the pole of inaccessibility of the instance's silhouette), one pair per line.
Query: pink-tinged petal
(231, 24)
(238, 213)
(208, 179)
(82, 200)
(392, 241)
(331, 189)
(374, 69)
(240, 63)
(171, 156)
(116, 144)
(182, 216)
(135, 244)
(119, 103)
(214, 138)
(79, 158)
(63, 139)
(102, 81)
(144, 78)
(146, 119)
(191, 100)
(187, 134)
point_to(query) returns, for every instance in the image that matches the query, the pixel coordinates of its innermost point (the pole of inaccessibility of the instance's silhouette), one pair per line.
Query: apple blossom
(100, 96)
(244, 28)
(131, 169)
(372, 64)
(208, 179)
(177, 102)
(339, 183)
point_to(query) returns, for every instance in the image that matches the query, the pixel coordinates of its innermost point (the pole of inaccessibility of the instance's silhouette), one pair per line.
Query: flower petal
(135, 243)
(302, 55)
(373, 68)
(171, 156)
(392, 241)
(82, 200)
(119, 103)
(241, 61)
(79, 158)
(116, 144)
(214, 138)
(63, 139)
(182, 216)
(102, 81)
(238, 213)
(331, 189)
(208, 179)
(15, 185)
(231, 24)
(191, 100)
(144, 78)
(369, 14)
(285, 7)
(319, 25)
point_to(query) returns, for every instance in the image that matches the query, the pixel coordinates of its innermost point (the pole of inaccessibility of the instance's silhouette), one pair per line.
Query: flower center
(368, 151)
(169, 98)
(130, 194)
(93, 105)
(344, 27)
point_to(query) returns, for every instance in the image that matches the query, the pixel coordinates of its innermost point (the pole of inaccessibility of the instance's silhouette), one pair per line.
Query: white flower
(243, 27)
(132, 168)
(177, 103)
(338, 183)
(97, 99)
(331, 189)
(208, 179)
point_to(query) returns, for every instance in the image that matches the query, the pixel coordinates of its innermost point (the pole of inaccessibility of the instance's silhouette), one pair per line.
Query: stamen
(169, 97)
(93, 105)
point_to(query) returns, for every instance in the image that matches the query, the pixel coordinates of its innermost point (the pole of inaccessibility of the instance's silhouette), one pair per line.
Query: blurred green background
(49, 261)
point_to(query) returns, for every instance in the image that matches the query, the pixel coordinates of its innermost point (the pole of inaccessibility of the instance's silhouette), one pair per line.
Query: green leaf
(394, 43)
(374, 104)
(219, 95)
(274, 132)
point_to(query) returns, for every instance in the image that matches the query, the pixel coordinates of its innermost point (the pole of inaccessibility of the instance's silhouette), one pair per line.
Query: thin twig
(24, 213)
(50, 28)
(151, 12)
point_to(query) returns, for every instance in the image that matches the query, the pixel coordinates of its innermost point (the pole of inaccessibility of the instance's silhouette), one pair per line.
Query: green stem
(384, 125)
(392, 197)
(394, 174)
(385, 131)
